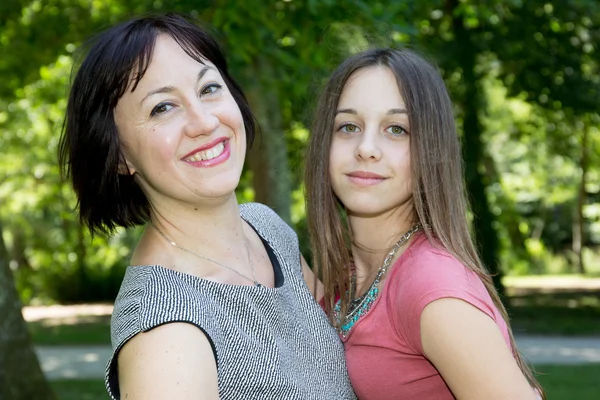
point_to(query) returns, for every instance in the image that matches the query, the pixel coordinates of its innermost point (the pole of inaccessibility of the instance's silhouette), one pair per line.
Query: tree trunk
(579, 220)
(473, 149)
(268, 158)
(21, 377)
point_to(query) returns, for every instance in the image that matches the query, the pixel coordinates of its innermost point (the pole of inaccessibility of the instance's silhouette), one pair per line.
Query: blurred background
(524, 78)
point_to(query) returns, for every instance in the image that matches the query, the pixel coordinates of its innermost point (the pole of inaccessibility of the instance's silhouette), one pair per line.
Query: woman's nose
(201, 121)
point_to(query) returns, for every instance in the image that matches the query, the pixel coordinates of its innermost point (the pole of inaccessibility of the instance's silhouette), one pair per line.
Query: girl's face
(181, 131)
(369, 163)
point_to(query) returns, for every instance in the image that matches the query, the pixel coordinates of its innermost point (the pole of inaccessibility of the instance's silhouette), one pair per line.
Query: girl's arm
(314, 285)
(469, 351)
(172, 361)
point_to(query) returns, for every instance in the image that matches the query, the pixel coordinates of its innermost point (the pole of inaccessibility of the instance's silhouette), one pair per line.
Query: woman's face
(181, 131)
(369, 163)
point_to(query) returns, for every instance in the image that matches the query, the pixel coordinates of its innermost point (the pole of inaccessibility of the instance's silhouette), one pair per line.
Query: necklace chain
(253, 279)
(360, 306)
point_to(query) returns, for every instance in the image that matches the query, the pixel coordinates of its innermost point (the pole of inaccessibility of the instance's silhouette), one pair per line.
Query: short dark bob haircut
(89, 151)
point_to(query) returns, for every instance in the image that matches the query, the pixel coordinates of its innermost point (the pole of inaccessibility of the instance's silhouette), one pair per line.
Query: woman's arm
(469, 351)
(314, 285)
(172, 361)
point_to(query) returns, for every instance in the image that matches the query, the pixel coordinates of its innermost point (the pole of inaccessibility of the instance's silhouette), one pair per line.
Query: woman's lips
(214, 153)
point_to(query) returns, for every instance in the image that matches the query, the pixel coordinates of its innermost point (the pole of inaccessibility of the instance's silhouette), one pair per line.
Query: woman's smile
(211, 154)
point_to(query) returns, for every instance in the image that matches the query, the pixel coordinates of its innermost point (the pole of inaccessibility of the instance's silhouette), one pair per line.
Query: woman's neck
(214, 226)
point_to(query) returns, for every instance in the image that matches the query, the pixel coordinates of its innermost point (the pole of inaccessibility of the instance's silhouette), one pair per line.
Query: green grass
(554, 304)
(569, 313)
(569, 382)
(547, 305)
(555, 321)
(561, 382)
(88, 330)
(79, 389)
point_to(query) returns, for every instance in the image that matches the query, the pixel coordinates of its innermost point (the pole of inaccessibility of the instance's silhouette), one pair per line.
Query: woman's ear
(125, 167)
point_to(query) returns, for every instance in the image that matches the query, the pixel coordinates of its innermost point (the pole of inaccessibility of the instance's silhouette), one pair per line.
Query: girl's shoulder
(427, 269)
(428, 273)
(427, 256)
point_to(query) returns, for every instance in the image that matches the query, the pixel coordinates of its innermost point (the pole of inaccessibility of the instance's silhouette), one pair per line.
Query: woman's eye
(210, 88)
(396, 130)
(161, 108)
(349, 128)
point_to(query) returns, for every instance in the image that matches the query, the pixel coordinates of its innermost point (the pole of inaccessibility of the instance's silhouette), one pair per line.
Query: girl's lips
(364, 178)
(365, 181)
(365, 174)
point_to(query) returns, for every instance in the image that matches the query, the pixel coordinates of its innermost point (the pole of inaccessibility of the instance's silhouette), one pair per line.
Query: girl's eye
(210, 88)
(396, 130)
(349, 128)
(161, 108)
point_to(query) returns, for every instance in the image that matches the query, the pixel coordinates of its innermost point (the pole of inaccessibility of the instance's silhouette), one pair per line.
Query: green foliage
(532, 67)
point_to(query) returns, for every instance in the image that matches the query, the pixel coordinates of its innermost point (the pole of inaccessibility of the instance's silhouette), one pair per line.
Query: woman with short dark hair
(217, 301)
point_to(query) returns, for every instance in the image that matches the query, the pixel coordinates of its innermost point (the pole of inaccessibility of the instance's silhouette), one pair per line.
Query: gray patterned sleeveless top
(269, 343)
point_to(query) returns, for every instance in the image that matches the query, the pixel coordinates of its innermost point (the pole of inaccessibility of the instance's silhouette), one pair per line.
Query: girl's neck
(374, 236)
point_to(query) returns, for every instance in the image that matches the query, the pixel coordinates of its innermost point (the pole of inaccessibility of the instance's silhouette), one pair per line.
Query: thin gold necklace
(253, 279)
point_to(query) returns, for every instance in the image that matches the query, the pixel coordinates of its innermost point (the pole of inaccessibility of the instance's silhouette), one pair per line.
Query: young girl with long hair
(387, 212)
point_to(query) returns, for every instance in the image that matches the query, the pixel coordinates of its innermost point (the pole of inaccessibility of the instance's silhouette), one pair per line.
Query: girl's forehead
(372, 86)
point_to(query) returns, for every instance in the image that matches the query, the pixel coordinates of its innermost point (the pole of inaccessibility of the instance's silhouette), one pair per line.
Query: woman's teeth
(208, 154)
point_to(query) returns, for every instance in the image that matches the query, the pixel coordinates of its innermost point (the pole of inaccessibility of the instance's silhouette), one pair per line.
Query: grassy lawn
(568, 382)
(554, 320)
(545, 305)
(568, 314)
(76, 389)
(88, 330)
(561, 382)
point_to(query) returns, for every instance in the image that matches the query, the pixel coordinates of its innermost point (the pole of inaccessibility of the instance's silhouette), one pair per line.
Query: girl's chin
(363, 210)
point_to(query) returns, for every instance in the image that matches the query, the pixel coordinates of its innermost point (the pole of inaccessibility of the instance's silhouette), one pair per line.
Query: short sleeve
(125, 322)
(426, 276)
(152, 296)
(273, 229)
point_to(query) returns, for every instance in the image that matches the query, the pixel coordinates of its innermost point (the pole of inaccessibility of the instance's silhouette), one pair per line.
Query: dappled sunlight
(75, 320)
(34, 313)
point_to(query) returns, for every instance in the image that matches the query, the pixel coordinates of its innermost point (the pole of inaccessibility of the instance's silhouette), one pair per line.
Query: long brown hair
(439, 196)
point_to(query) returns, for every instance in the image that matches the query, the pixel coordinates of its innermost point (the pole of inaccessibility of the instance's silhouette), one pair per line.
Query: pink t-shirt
(384, 353)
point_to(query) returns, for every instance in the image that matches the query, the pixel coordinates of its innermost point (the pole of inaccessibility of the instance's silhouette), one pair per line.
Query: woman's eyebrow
(167, 89)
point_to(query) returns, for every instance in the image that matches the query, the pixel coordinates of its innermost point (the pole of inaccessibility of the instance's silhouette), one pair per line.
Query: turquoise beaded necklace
(361, 305)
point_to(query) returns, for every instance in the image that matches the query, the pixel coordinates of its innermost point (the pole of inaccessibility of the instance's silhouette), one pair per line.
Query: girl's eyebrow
(353, 111)
(397, 111)
(346, 111)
